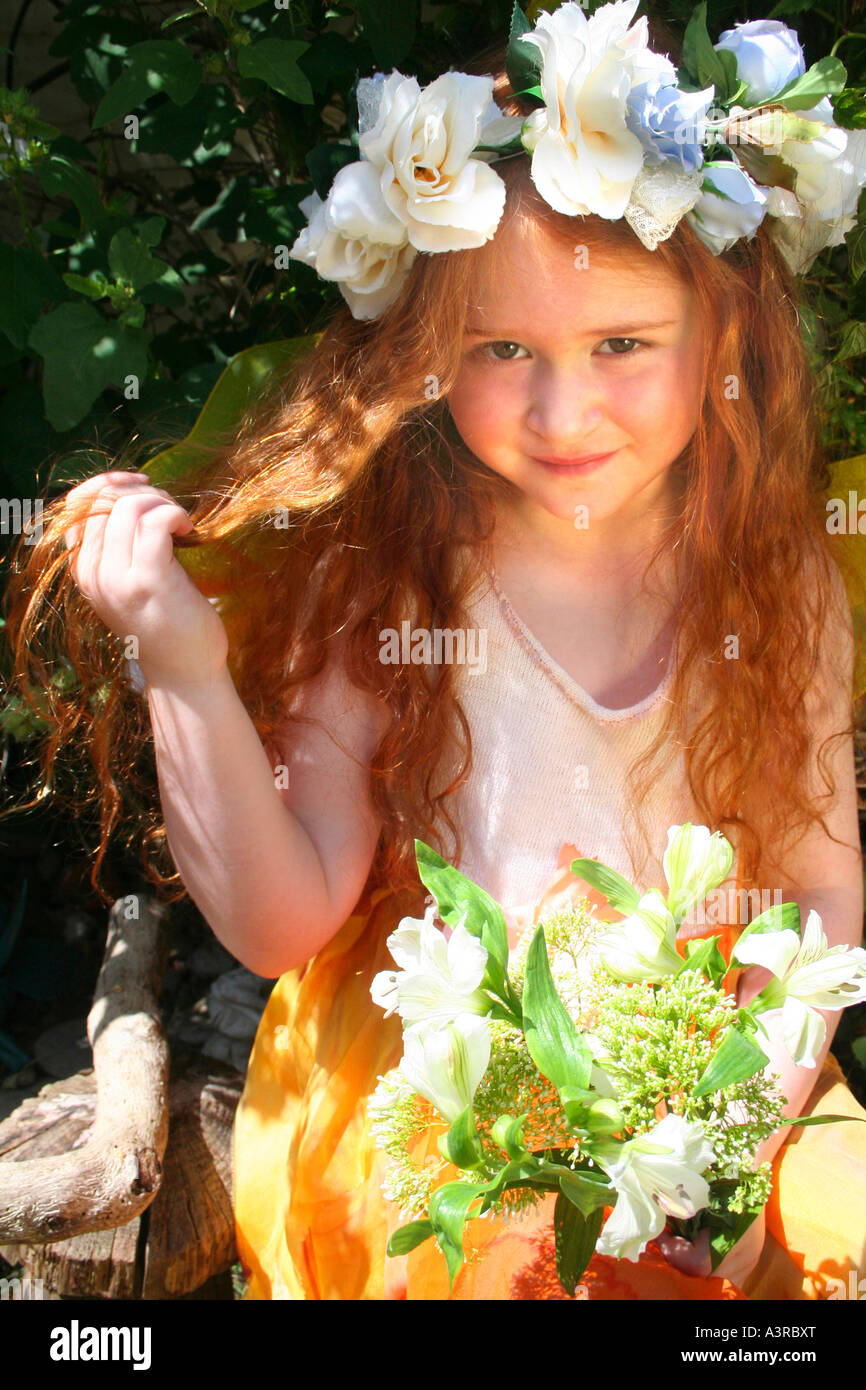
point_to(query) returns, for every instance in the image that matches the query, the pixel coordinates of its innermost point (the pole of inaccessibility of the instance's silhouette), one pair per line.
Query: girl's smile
(579, 385)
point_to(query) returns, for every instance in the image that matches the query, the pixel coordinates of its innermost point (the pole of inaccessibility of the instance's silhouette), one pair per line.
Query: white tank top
(550, 768)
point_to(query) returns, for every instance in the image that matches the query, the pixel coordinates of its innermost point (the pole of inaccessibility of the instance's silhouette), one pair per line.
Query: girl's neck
(602, 565)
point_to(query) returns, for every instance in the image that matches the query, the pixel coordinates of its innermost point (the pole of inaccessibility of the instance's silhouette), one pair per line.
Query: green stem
(841, 39)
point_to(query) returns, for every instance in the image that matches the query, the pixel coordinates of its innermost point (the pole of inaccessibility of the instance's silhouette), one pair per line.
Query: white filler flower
(445, 1063)
(438, 978)
(809, 976)
(655, 1176)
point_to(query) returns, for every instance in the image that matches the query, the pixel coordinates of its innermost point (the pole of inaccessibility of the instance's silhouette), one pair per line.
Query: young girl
(596, 460)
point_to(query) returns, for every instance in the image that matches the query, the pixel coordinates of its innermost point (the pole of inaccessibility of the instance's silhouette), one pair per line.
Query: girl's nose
(565, 406)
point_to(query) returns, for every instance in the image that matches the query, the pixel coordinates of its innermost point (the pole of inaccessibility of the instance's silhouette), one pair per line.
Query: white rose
(584, 157)
(354, 239)
(420, 148)
(802, 231)
(768, 56)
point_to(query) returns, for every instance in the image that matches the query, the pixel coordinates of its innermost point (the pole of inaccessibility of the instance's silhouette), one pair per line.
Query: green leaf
(704, 955)
(820, 80)
(819, 1120)
(737, 1058)
(459, 898)
(619, 893)
(857, 253)
(586, 1190)
(555, 1046)
(26, 280)
(94, 286)
(575, 1236)
(62, 178)
(130, 259)
(157, 65)
(407, 1237)
(522, 60)
(725, 1239)
(83, 354)
(709, 66)
(389, 28)
(461, 1141)
(449, 1209)
(274, 61)
(507, 1132)
(779, 917)
(853, 341)
(849, 109)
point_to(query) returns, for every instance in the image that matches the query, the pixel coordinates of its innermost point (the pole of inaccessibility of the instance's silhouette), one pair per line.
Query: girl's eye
(503, 350)
(638, 344)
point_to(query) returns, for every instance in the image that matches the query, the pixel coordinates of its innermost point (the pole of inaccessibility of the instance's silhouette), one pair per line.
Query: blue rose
(731, 205)
(669, 123)
(768, 56)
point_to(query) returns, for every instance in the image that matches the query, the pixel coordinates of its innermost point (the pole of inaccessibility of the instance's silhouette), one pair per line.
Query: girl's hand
(693, 1257)
(126, 569)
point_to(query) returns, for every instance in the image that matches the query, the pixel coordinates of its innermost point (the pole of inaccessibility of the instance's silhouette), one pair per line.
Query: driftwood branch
(117, 1171)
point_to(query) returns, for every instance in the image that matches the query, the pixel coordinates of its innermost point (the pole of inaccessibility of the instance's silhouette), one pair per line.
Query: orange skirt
(311, 1220)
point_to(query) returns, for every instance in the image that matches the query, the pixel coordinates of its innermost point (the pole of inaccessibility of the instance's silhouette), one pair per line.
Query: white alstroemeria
(768, 56)
(810, 975)
(584, 157)
(438, 978)
(354, 239)
(643, 945)
(420, 148)
(445, 1062)
(655, 1176)
(694, 862)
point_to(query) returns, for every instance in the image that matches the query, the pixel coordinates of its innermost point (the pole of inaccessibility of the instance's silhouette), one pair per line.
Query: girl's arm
(274, 870)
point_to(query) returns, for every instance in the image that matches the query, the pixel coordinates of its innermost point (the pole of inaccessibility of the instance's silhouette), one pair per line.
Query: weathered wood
(116, 1171)
(191, 1234)
(185, 1238)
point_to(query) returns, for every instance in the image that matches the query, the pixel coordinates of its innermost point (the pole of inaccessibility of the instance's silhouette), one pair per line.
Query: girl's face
(563, 359)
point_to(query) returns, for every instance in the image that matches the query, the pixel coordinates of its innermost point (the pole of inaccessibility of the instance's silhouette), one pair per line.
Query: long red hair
(378, 496)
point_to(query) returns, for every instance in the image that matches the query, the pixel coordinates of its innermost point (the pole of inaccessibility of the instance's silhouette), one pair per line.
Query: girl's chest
(618, 660)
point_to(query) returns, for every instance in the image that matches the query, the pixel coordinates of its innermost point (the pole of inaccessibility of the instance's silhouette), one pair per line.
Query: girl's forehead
(566, 288)
(535, 273)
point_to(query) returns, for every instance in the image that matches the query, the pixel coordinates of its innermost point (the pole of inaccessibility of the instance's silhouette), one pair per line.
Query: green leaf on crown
(621, 894)
(708, 66)
(522, 60)
(822, 79)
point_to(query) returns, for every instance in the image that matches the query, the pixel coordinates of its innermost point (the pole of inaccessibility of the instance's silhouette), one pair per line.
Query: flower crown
(617, 131)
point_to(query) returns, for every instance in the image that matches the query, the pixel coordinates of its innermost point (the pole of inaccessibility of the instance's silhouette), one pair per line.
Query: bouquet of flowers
(595, 1061)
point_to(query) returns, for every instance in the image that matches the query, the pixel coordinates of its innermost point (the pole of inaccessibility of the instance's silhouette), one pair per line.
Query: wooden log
(116, 1172)
(185, 1238)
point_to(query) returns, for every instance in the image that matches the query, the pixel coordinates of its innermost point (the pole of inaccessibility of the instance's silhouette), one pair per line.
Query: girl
(598, 462)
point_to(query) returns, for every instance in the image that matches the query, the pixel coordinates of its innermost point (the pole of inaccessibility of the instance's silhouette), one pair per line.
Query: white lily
(694, 862)
(445, 1062)
(643, 945)
(810, 975)
(439, 978)
(655, 1176)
